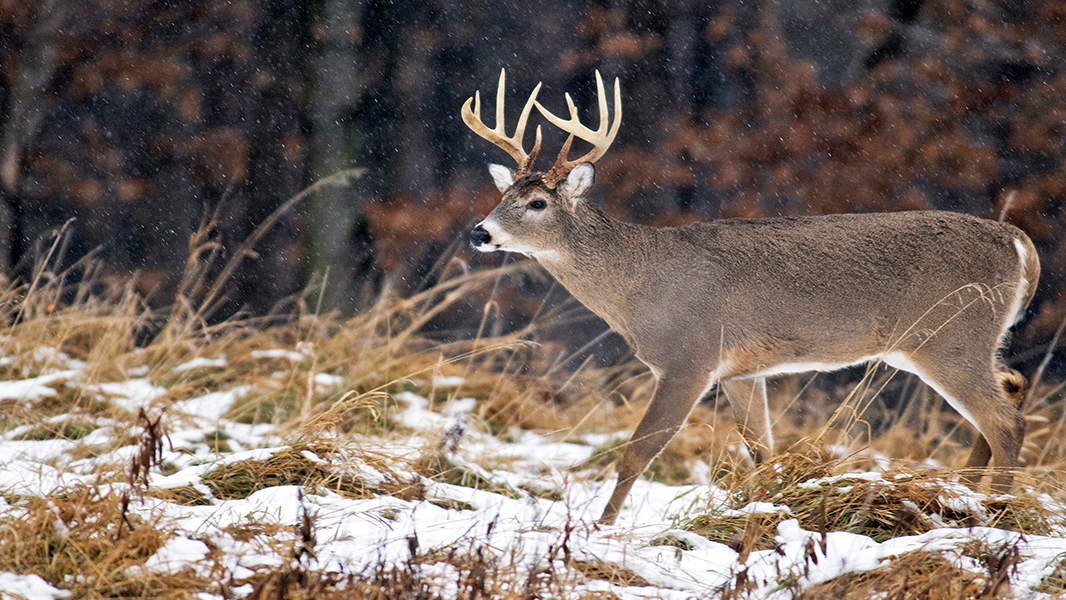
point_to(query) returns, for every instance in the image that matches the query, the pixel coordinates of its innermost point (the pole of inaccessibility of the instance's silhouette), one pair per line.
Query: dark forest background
(137, 118)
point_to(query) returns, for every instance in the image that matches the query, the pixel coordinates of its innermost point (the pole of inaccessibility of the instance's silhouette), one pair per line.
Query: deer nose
(479, 236)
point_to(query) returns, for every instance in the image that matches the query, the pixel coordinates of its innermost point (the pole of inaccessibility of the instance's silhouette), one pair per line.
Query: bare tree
(336, 212)
(26, 108)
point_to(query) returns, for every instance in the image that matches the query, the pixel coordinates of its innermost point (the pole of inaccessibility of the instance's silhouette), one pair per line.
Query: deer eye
(538, 204)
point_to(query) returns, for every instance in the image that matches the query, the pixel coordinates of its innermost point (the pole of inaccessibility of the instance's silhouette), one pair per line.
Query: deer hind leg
(980, 397)
(748, 399)
(675, 395)
(1014, 384)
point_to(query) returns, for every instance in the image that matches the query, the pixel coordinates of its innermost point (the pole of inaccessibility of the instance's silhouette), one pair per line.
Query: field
(149, 455)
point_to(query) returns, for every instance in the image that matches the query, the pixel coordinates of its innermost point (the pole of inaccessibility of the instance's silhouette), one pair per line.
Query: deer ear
(578, 182)
(501, 176)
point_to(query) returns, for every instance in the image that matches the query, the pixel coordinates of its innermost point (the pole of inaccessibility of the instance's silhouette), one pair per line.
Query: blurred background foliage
(136, 118)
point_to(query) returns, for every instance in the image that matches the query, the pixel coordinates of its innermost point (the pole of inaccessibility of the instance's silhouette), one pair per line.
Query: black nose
(479, 236)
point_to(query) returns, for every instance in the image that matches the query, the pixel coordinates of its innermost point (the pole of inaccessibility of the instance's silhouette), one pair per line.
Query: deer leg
(1014, 385)
(980, 454)
(748, 399)
(982, 399)
(675, 395)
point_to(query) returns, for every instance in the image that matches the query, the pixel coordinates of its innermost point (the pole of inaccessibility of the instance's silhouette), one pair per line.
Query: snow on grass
(521, 502)
(28, 587)
(33, 388)
(201, 362)
(209, 408)
(177, 554)
(131, 394)
(295, 357)
(449, 381)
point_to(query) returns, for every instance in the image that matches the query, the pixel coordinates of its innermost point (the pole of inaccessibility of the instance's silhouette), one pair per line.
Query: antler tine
(601, 139)
(498, 135)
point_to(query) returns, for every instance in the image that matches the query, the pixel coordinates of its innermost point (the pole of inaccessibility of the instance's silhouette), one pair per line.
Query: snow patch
(200, 363)
(28, 587)
(131, 394)
(295, 357)
(33, 388)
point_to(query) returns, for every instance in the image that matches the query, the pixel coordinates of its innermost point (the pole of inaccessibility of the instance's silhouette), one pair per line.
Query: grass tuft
(881, 507)
(82, 539)
(916, 574)
(1054, 583)
(63, 429)
(443, 469)
(307, 466)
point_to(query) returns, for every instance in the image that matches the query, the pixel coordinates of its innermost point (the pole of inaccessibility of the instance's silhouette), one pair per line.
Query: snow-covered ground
(521, 532)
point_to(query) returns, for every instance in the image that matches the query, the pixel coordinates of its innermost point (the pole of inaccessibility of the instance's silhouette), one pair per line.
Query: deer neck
(592, 265)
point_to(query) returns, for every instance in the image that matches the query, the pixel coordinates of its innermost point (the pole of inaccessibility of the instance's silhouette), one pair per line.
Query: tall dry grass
(79, 329)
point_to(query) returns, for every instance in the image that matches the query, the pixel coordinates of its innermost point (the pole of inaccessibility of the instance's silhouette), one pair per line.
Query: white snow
(326, 383)
(448, 381)
(34, 388)
(295, 357)
(535, 500)
(209, 408)
(201, 362)
(28, 587)
(131, 394)
(176, 554)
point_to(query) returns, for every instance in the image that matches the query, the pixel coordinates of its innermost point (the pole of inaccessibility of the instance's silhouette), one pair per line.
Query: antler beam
(498, 135)
(601, 139)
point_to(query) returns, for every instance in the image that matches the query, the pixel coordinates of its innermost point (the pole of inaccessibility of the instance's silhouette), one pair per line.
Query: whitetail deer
(734, 301)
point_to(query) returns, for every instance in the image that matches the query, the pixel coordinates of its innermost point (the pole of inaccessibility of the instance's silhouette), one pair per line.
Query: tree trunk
(24, 114)
(336, 240)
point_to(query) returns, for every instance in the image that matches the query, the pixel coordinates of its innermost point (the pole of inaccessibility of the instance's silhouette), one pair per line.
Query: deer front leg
(980, 454)
(748, 399)
(675, 395)
(1014, 384)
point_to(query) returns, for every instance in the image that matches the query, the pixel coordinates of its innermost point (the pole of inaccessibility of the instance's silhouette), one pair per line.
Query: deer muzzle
(479, 236)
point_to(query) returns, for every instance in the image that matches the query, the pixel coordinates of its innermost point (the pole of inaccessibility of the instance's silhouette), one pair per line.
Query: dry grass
(305, 466)
(596, 569)
(470, 570)
(1055, 583)
(898, 502)
(917, 574)
(83, 539)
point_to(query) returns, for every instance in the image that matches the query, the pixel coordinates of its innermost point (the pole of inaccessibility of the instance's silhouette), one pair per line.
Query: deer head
(538, 210)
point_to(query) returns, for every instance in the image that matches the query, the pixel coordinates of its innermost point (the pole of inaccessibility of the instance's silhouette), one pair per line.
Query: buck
(732, 302)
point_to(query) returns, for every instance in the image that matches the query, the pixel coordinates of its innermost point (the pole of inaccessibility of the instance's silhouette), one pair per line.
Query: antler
(498, 136)
(601, 139)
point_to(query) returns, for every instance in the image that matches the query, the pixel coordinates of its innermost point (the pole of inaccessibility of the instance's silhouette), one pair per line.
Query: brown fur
(725, 302)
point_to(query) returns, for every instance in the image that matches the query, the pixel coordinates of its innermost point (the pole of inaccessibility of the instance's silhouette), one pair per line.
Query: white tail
(732, 302)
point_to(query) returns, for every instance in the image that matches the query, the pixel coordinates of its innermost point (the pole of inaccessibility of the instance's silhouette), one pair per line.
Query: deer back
(831, 290)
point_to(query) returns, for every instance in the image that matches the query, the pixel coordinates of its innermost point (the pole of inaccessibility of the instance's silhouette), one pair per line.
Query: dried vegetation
(881, 506)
